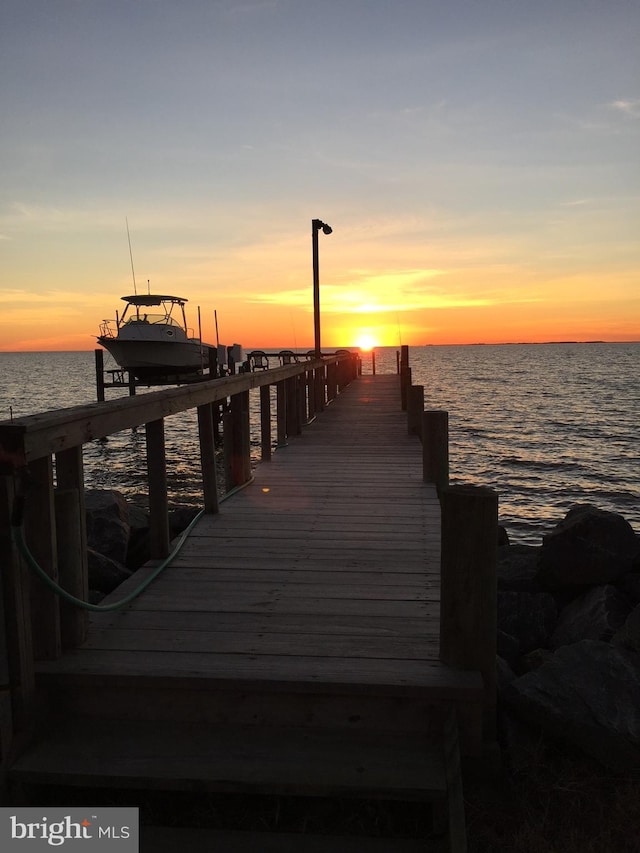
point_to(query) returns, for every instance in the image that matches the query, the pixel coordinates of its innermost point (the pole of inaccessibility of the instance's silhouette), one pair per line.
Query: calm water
(547, 426)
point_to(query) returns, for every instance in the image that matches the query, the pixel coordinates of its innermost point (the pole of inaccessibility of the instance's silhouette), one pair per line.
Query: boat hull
(157, 359)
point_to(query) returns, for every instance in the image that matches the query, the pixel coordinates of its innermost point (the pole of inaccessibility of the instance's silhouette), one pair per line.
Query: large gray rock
(596, 615)
(105, 574)
(107, 515)
(588, 694)
(589, 546)
(139, 550)
(629, 633)
(527, 616)
(630, 586)
(508, 648)
(517, 567)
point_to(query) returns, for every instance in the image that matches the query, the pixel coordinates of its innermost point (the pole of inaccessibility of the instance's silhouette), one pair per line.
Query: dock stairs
(275, 764)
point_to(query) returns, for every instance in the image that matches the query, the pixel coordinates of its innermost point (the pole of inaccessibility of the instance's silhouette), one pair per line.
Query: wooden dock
(292, 647)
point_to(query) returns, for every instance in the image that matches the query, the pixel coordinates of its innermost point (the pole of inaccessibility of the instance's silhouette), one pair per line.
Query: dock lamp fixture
(317, 225)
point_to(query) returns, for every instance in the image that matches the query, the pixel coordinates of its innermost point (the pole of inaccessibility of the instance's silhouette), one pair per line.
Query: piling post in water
(265, 423)
(212, 361)
(157, 478)
(373, 362)
(99, 362)
(405, 384)
(281, 414)
(405, 376)
(435, 448)
(415, 407)
(468, 595)
(246, 437)
(206, 437)
(320, 388)
(311, 395)
(301, 382)
(237, 441)
(292, 406)
(332, 380)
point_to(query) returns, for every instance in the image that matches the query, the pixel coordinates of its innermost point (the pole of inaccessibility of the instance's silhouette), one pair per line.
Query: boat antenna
(215, 316)
(133, 273)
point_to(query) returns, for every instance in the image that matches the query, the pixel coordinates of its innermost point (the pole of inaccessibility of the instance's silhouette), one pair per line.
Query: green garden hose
(17, 533)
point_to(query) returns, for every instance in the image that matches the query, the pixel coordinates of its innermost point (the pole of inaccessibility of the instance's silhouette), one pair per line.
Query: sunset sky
(478, 161)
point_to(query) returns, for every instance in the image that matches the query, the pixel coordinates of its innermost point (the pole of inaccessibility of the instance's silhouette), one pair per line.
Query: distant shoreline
(248, 348)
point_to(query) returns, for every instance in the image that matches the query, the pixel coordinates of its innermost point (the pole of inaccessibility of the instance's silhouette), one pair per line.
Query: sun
(365, 341)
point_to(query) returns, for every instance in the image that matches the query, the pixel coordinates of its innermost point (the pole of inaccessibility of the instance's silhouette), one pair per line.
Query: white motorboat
(152, 340)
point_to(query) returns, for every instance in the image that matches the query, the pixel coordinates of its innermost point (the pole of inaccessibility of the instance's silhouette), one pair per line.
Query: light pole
(316, 226)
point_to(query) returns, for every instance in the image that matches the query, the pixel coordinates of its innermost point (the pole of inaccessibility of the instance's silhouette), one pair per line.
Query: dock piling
(468, 595)
(435, 448)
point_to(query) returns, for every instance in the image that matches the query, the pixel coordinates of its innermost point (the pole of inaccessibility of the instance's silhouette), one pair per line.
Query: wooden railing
(41, 456)
(469, 539)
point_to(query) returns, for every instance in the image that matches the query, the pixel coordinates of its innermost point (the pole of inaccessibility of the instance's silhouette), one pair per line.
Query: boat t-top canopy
(153, 299)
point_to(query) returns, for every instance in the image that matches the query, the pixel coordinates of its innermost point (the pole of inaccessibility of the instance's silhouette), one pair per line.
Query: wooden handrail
(25, 439)
(31, 443)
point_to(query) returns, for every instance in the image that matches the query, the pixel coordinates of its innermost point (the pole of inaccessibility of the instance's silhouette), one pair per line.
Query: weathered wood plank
(243, 759)
(357, 675)
(157, 597)
(237, 643)
(248, 591)
(163, 839)
(303, 573)
(272, 623)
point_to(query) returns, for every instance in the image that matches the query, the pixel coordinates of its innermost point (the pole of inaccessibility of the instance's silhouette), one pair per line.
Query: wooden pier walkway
(292, 647)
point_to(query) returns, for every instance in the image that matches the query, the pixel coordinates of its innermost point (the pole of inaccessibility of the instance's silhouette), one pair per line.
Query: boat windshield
(143, 317)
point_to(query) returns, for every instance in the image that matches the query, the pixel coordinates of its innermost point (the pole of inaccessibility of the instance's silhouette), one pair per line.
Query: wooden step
(291, 761)
(162, 839)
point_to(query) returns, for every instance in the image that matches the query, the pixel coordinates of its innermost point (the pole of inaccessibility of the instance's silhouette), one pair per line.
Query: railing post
(208, 457)
(72, 563)
(301, 381)
(281, 414)
(237, 444)
(228, 450)
(415, 407)
(292, 406)
(319, 382)
(40, 535)
(99, 362)
(373, 362)
(311, 395)
(245, 436)
(70, 476)
(435, 448)
(468, 594)
(405, 384)
(265, 422)
(158, 503)
(17, 670)
(331, 381)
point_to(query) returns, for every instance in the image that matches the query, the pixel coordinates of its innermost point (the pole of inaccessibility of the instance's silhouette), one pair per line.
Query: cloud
(376, 292)
(629, 107)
